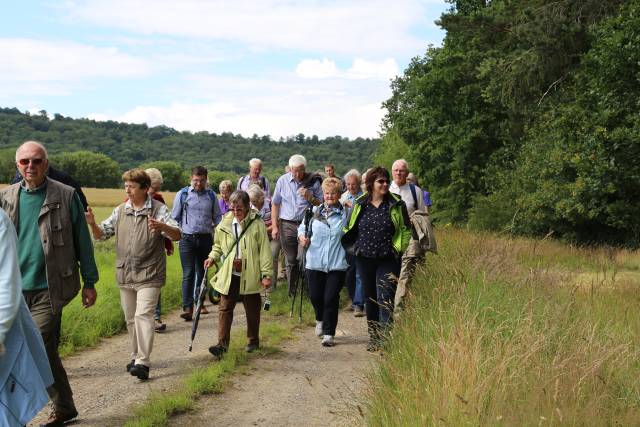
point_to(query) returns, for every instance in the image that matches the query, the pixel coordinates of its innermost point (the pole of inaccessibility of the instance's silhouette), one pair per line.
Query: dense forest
(131, 145)
(527, 118)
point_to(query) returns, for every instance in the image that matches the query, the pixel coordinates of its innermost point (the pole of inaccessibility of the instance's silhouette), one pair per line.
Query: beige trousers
(413, 256)
(138, 306)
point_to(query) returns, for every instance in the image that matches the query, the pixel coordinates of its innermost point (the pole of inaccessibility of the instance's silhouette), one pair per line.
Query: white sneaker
(327, 341)
(319, 328)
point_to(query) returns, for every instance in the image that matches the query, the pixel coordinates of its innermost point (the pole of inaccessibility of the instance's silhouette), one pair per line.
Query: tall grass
(499, 333)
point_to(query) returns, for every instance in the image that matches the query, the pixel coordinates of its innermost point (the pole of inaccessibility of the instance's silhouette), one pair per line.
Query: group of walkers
(364, 232)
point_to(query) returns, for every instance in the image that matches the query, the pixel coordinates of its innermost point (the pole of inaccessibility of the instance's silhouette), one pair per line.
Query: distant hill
(132, 144)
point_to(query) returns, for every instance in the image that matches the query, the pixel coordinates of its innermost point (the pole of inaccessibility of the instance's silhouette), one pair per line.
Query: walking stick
(301, 282)
(202, 292)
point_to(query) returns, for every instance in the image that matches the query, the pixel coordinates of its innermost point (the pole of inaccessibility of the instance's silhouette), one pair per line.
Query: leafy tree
(7, 165)
(89, 169)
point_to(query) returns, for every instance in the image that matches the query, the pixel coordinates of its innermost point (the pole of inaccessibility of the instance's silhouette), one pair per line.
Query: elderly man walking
(53, 240)
(197, 212)
(255, 177)
(411, 194)
(295, 191)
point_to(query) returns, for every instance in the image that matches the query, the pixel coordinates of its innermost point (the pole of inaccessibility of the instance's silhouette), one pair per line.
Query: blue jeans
(379, 280)
(354, 284)
(194, 250)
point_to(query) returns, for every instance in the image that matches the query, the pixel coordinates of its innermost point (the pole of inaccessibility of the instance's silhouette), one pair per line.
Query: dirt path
(305, 380)
(306, 384)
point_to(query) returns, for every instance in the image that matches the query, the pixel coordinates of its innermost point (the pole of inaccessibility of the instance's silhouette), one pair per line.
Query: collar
(147, 204)
(23, 185)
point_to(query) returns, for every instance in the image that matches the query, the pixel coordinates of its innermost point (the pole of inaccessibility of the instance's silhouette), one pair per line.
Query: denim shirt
(325, 252)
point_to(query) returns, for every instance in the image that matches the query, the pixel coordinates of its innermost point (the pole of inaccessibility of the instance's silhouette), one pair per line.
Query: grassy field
(514, 332)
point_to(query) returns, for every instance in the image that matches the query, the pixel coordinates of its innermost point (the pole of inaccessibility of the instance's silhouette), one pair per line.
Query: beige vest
(140, 258)
(56, 234)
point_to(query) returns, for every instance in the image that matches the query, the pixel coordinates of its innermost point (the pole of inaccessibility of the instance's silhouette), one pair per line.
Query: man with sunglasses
(53, 241)
(60, 176)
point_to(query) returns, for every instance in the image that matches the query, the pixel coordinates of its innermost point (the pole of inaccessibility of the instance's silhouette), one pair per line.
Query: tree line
(96, 153)
(526, 118)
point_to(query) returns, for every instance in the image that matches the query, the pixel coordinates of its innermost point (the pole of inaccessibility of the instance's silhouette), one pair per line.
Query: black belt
(291, 222)
(196, 234)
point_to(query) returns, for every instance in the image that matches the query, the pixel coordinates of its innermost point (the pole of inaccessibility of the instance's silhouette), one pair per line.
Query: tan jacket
(422, 234)
(140, 257)
(56, 233)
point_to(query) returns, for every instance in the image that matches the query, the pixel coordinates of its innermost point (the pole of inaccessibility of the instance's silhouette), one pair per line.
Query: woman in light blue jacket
(326, 261)
(24, 368)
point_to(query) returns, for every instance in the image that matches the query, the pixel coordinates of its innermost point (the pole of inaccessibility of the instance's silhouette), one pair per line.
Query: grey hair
(297, 160)
(225, 184)
(241, 197)
(255, 192)
(254, 162)
(401, 161)
(37, 144)
(155, 175)
(354, 173)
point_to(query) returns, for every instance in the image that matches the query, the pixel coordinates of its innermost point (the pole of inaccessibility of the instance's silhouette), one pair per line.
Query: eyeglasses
(382, 181)
(35, 162)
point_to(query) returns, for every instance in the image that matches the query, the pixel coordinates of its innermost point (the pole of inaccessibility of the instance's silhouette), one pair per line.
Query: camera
(267, 304)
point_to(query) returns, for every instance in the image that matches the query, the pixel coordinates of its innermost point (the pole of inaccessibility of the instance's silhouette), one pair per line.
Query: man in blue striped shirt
(295, 191)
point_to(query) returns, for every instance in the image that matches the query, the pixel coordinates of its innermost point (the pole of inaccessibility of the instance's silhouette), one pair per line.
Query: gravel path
(304, 384)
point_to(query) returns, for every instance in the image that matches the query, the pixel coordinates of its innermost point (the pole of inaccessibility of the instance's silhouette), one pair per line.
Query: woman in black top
(378, 233)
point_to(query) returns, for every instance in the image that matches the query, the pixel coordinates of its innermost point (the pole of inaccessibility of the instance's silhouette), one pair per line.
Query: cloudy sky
(276, 67)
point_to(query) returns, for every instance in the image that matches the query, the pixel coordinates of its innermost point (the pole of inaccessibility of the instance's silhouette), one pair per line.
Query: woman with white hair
(225, 188)
(263, 206)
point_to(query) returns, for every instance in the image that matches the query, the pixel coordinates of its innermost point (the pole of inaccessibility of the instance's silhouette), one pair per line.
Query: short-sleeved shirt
(262, 181)
(407, 196)
(292, 206)
(375, 231)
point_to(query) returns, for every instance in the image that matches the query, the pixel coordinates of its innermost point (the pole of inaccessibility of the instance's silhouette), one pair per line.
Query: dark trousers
(49, 325)
(291, 249)
(379, 278)
(228, 302)
(353, 283)
(324, 292)
(194, 250)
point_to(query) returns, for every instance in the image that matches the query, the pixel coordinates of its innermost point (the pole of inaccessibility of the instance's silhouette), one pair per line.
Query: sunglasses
(35, 162)
(382, 181)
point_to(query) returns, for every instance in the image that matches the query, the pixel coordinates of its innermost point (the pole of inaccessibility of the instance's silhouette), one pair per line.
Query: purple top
(224, 207)
(427, 198)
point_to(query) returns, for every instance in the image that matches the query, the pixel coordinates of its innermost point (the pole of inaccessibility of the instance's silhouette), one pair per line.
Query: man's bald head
(32, 162)
(32, 147)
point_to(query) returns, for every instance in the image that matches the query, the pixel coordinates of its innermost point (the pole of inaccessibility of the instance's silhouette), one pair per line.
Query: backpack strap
(183, 203)
(412, 187)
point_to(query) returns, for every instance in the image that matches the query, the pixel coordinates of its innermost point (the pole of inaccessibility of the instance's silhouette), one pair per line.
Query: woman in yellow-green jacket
(242, 255)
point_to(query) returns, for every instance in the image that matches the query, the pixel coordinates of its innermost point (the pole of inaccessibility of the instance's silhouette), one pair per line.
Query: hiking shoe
(327, 341)
(140, 371)
(358, 312)
(159, 326)
(187, 314)
(252, 347)
(218, 351)
(319, 328)
(59, 418)
(130, 365)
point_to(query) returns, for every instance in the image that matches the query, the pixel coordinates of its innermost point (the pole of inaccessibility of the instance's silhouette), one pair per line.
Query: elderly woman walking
(326, 261)
(262, 205)
(242, 248)
(140, 226)
(377, 234)
(225, 188)
(352, 280)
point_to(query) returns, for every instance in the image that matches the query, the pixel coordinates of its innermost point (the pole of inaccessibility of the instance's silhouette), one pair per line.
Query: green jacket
(399, 218)
(255, 251)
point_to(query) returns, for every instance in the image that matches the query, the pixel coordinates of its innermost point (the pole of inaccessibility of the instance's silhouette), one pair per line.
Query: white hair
(225, 184)
(37, 144)
(155, 175)
(354, 173)
(255, 162)
(297, 160)
(255, 192)
(400, 161)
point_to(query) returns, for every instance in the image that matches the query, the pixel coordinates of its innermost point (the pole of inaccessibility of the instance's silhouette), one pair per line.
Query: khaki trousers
(139, 306)
(251, 304)
(49, 324)
(413, 256)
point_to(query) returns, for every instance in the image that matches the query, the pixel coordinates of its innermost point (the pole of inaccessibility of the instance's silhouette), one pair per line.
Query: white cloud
(352, 27)
(360, 69)
(316, 69)
(29, 60)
